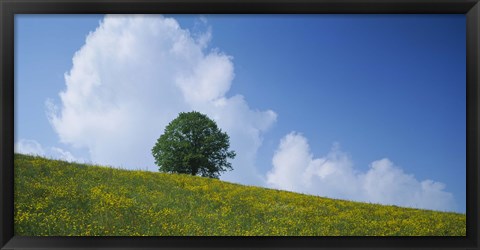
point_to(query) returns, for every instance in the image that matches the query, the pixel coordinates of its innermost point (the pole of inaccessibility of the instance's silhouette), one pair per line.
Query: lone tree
(193, 144)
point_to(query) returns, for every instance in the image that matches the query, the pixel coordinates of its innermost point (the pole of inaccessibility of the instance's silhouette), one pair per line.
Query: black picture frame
(8, 9)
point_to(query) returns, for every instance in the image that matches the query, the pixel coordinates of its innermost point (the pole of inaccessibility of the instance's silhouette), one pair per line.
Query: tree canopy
(193, 144)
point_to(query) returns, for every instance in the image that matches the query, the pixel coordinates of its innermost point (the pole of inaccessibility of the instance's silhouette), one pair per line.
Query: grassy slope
(60, 198)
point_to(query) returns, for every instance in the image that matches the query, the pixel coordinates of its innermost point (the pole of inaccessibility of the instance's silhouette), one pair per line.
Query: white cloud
(133, 75)
(64, 155)
(334, 175)
(32, 147)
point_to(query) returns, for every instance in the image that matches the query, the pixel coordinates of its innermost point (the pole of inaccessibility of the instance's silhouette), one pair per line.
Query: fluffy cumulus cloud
(334, 175)
(133, 75)
(32, 147)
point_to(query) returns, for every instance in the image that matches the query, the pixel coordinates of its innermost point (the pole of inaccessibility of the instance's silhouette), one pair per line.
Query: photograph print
(240, 125)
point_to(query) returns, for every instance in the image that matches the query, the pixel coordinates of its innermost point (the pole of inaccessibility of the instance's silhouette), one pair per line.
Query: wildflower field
(57, 198)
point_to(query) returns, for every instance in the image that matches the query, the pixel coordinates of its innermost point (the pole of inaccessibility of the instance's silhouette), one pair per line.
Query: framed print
(251, 124)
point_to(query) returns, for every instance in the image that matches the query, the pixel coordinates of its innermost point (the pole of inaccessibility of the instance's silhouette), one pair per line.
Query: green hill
(58, 198)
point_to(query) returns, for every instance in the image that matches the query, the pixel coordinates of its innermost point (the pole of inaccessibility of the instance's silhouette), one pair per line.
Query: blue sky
(360, 107)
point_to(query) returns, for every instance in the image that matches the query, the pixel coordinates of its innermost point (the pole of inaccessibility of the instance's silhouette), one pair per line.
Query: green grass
(57, 198)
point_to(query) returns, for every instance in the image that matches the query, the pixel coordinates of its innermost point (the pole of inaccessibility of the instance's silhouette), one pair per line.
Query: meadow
(58, 198)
